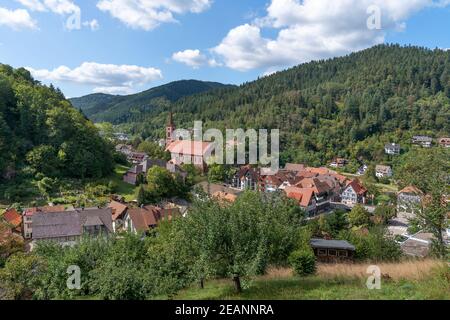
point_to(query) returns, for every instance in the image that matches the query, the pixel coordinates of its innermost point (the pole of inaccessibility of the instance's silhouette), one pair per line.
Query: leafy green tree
(153, 150)
(303, 262)
(18, 277)
(359, 217)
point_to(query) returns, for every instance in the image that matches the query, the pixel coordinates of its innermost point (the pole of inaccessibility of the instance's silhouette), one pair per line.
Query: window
(322, 252)
(343, 253)
(332, 252)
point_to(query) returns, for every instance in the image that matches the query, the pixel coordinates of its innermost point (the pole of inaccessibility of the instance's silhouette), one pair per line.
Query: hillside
(348, 107)
(42, 135)
(118, 109)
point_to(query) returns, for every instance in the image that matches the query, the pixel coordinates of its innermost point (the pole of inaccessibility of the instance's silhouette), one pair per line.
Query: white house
(383, 171)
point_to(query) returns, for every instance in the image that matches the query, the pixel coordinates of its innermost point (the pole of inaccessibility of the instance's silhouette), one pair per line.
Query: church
(186, 151)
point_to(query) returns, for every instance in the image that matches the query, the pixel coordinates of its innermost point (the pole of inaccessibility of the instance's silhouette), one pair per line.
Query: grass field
(411, 280)
(124, 189)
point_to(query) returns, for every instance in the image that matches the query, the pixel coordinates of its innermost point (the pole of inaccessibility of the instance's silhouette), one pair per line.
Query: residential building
(354, 193)
(212, 189)
(409, 199)
(423, 141)
(339, 163)
(28, 217)
(294, 167)
(119, 211)
(132, 175)
(305, 198)
(383, 171)
(146, 218)
(362, 170)
(13, 219)
(68, 227)
(444, 142)
(246, 178)
(392, 149)
(332, 250)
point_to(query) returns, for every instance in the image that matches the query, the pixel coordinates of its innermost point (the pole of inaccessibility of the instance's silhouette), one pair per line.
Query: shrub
(303, 262)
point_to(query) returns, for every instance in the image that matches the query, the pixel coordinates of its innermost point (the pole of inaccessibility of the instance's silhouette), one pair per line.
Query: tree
(18, 277)
(153, 150)
(141, 195)
(359, 216)
(303, 262)
(384, 213)
(45, 186)
(217, 173)
(10, 243)
(221, 248)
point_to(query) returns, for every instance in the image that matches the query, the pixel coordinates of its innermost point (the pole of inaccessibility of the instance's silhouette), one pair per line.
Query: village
(318, 191)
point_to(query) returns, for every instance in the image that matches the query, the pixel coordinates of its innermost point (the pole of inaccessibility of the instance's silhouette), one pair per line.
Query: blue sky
(125, 46)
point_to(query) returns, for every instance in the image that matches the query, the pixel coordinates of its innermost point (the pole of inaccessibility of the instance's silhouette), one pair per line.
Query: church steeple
(170, 130)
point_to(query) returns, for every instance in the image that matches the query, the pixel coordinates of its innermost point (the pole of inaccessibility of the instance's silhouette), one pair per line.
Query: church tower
(170, 130)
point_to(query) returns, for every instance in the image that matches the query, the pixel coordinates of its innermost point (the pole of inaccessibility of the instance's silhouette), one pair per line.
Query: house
(332, 250)
(339, 163)
(304, 197)
(423, 141)
(246, 178)
(28, 217)
(68, 227)
(118, 213)
(409, 199)
(146, 218)
(187, 151)
(294, 167)
(444, 142)
(362, 170)
(13, 219)
(322, 192)
(392, 149)
(132, 175)
(191, 152)
(212, 189)
(137, 157)
(354, 193)
(279, 181)
(383, 171)
(124, 149)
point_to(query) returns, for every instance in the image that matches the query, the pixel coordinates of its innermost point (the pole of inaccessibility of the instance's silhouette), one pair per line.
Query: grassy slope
(413, 284)
(124, 189)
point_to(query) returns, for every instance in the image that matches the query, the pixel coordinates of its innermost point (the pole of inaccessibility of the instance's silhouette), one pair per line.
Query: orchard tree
(359, 216)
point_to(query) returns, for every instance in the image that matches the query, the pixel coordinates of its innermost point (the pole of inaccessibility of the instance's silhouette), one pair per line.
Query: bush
(303, 262)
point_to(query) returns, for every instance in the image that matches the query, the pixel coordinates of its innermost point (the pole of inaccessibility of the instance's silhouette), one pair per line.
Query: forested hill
(119, 109)
(41, 132)
(348, 106)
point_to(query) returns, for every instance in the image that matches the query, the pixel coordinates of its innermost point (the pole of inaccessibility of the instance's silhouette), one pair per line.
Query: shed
(332, 250)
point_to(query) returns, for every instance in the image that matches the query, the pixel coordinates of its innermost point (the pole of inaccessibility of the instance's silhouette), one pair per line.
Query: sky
(126, 46)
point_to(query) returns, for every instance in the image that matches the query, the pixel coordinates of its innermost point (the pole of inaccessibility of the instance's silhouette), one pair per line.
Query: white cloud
(193, 58)
(61, 7)
(149, 14)
(113, 90)
(33, 5)
(313, 29)
(16, 19)
(105, 77)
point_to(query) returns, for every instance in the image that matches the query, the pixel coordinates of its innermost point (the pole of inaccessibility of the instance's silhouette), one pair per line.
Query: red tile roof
(47, 209)
(357, 187)
(412, 190)
(144, 218)
(118, 209)
(12, 217)
(302, 195)
(189, 147)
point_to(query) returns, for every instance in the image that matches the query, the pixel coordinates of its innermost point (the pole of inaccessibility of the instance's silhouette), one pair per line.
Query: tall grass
(406, 270)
